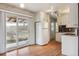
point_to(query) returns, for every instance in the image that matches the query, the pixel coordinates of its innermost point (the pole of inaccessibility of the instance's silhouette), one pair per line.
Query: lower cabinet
(58, 36)
(69, 45)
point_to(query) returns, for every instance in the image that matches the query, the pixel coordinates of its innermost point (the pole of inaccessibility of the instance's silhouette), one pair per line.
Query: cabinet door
(70, 45)
(59, 20)
(73, 15)
(58, 37)
(63, 19)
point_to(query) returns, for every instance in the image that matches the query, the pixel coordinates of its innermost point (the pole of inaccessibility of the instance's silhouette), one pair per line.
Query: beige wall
(8, 7)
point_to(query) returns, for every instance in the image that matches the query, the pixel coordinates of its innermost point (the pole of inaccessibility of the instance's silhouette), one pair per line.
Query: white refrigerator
(43, 30)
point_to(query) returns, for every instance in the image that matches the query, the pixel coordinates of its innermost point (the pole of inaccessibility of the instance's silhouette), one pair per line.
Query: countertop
(68, 33)
(73, 35)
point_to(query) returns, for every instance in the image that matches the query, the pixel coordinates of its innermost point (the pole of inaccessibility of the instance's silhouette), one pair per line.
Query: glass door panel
(11, 31)
(22, 31)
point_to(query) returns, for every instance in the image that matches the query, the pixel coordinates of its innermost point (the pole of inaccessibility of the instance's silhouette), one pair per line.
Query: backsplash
(63, 28)
(70, 29)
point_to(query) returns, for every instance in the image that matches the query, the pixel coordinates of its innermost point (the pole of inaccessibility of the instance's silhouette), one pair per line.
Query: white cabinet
(70, 18)
(60, 20)
(63, 19)
(69, 45)
(58, 36)
(73, 16)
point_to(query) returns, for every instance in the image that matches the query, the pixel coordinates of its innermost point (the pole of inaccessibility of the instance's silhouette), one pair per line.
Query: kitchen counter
(59, 34)
(70, 35)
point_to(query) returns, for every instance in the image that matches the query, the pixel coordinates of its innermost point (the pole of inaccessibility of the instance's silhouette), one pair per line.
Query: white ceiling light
(51, 9)
(22, 5)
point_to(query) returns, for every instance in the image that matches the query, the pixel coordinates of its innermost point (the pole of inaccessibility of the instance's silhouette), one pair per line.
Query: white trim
(17, 42)
(16, 13)
(4, 50)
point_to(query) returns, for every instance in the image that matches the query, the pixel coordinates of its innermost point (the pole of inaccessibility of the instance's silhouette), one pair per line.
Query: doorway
(52, 28)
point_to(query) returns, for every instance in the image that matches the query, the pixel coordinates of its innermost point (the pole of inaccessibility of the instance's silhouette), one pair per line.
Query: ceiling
(36, 7)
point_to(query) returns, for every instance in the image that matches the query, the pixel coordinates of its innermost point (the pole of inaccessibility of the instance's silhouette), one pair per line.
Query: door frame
(17, 46)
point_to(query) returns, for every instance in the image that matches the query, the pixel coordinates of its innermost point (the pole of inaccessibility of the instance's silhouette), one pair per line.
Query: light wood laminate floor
(51, 49)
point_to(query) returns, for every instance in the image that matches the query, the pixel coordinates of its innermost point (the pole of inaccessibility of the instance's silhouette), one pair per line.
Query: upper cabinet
(73, 15)
(68, 16)
(62, 19)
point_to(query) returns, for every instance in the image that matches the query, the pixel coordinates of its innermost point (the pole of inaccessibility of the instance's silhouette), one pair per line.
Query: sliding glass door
(17, 33)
